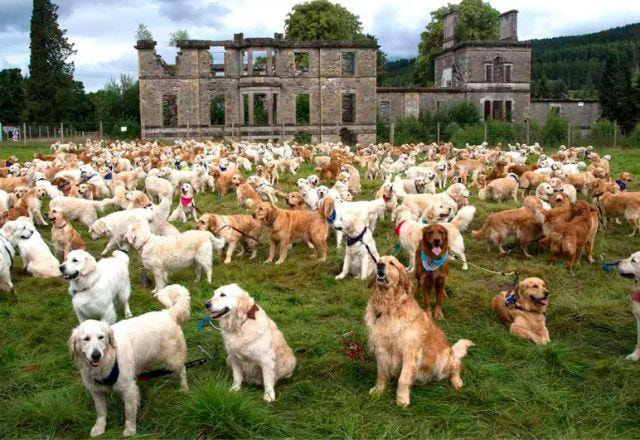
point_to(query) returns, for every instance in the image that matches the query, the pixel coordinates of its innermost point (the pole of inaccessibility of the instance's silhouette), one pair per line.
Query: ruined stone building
(272, 88)
(263, 88)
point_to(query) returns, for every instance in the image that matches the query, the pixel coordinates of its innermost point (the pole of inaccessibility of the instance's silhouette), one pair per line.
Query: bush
(463, 113)
(471, 134)
(302, 138)
(383, 130)
(411, 130)
(500, 132)
(554, 132)
(633, 138)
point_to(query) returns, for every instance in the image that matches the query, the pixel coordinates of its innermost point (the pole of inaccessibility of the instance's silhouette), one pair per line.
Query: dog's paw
(456, 383)
(269, 396)
(235, 388)
(634, 357)
(376, 391)
(128, 432)
(403, 401)
(97, 430)
(437, 313)
(340, 277)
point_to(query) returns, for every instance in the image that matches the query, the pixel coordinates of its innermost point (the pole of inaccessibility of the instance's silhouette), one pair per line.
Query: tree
(478, 21)
(616, 93)
(559, 89)
(177, 36)
(541, 87)
(143, 33)
(117, 104)
(11, 95)
(50, 87)
(322, 20)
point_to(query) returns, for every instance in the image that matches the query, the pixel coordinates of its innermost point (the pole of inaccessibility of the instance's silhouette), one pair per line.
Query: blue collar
(353, 240)
(332, 217)
(621, 185)
(108, 176)
(432, 265)
(510, 299)
(112, 378)
(222, 169)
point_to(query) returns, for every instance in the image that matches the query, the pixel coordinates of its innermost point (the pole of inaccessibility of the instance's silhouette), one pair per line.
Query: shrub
(411, 130)
(302, 138)
(471, 134)
(554, 132)
(383, 131)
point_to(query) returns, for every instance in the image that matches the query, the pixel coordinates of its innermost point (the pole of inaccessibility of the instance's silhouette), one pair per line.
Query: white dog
(162, 254)
(110, 357)
(361, 253)
(630, 268)
(37, 259)
(94, 286)
(187, 206)
(257, 351)
(115, 226)
(7, 254)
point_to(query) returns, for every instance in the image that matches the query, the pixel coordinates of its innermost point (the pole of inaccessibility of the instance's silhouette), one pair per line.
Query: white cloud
(103, 30)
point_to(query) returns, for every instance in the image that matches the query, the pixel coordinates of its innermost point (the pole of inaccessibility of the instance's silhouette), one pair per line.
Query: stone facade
(495, 75)
(261, 84)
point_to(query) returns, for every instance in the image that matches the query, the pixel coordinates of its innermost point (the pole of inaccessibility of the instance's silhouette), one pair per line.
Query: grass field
(579, 385)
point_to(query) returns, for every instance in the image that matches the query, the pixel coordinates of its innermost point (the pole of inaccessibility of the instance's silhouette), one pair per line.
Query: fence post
(24, 133)
(392, 133)
(438, 129)
(62, 132)
(568, 135)
(485, 131)
(528, 133)
(100, 130)
(615, 133)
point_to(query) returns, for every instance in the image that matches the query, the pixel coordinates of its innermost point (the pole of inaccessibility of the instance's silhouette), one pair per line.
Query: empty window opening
(438, 103)
(348, 63)
(348, 108)
(274, 108)
(487, 110)
(301, 60)
(245, 108)
(385, 111)
(507, 73)
(216, 106)
(217, 61)
(508, 110)
(555, 110)
(302, 109)
(259, 62)
(498, 70)
(487, 72)
(169, 110)
(497, 110)
(246, 55)
(260, 109)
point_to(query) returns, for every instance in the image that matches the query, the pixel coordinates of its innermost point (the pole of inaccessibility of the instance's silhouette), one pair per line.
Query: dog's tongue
(437, 250)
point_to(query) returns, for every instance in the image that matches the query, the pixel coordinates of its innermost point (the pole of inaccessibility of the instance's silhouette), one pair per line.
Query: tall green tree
(478, 21)
(322, 20)
(11, 95)
(117, 104)
(616, 93)
(50, 87)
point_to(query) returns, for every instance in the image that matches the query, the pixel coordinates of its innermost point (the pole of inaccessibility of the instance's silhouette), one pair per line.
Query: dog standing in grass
(187, 205)
(630, 268)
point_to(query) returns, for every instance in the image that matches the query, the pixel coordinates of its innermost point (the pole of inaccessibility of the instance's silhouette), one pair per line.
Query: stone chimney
(238, 37)
(450, 24)
(509, 26)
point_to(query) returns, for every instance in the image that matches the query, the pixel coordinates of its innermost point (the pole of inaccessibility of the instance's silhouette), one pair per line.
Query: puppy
(406, 342)
(94, 285)
(257, 351)
(524, 310)
(432, 261)
(234, 229)
(630, 268)
(110, 357)
(63, 235)
(286, 226)
(187, 205)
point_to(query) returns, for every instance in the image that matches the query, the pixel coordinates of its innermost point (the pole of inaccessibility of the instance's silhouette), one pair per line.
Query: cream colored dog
(257, 351)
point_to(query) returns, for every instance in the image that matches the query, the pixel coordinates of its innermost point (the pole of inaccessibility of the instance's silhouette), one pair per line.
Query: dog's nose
(61, 267)
(96, 355)
(207, 304)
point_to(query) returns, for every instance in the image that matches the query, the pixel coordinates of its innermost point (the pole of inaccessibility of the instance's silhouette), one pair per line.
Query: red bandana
(635, 296)
(396, 230)
(185, 201)
(385, 198)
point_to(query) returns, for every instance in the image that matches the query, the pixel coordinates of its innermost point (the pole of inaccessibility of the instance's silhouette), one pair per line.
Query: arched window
(498, 69)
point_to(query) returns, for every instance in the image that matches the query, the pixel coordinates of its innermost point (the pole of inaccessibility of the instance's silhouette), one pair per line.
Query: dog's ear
(74, 344)
(111, 339)
(245, 307)
(446, 237)
(89, 265)
(271, 216)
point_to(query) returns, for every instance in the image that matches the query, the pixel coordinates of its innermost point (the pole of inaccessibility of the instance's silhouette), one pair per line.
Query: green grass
(579, 385)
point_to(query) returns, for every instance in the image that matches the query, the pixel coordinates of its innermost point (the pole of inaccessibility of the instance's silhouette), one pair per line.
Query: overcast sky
(103, 30)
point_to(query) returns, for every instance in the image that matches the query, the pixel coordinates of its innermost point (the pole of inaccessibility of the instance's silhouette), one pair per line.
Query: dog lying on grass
(257, 351)
(406, 342)
(110, 356)
(524, 310)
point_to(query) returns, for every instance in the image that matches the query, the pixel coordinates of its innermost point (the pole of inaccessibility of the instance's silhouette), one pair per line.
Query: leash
(359, 239)
(237, 230)
(495, 272)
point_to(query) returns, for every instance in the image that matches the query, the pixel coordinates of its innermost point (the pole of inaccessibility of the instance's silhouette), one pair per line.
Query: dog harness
(353, 240)
(396, 230)
(9, 248)
(332, 217)
(430, 265)
(108, 176)
(185, 201)
(621, 185)
(112, 378)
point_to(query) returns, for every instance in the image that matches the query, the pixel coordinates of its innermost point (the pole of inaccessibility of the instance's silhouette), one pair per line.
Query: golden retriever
(432, 266)
(234, 229)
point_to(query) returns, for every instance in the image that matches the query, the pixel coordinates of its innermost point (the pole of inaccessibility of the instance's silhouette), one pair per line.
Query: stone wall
(581, 114)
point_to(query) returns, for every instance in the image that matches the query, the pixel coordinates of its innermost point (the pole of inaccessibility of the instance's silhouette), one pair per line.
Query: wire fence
(24, 132)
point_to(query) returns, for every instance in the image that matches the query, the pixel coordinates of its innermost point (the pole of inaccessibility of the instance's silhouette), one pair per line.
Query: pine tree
(615, 92)
(51, 91)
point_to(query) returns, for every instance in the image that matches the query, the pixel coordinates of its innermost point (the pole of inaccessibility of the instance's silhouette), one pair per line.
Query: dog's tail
(483, 232)
(482, 194)
(463, 218)
(460, 348)
(524, 182)
(119, 255)
(218, 243)
(177, 301)
(103, 204)
(398, 187)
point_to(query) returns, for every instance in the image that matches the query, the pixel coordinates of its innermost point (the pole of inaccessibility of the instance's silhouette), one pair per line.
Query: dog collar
(222, 169)
(621, 185)
(635, 296)
(332, 217)
(353, 240)
(396, 230)
(112, 378)
(432, 265)
(185, 201)
(108, 176)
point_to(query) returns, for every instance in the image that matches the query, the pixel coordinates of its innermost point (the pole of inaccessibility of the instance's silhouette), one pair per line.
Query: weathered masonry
(495, 75)
(260, 88)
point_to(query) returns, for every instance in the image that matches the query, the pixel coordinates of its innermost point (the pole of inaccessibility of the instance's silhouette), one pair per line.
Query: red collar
(396, 230)
(635, 296)
(385, 198)
(185, 201)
